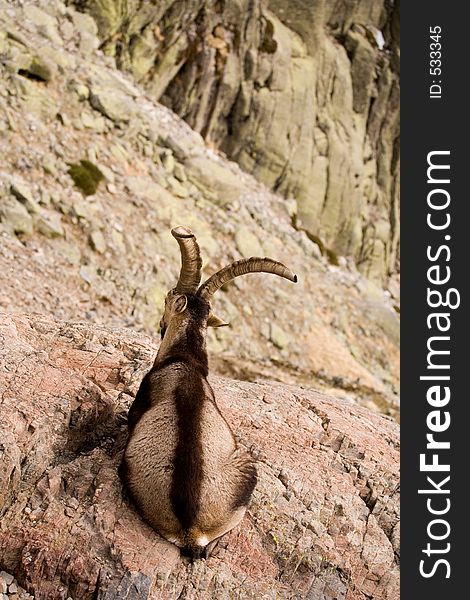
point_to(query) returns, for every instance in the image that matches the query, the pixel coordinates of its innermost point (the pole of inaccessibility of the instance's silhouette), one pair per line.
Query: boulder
(322, 523)
(49, 223)
(112, 104)
(327, 335)
(15, 216)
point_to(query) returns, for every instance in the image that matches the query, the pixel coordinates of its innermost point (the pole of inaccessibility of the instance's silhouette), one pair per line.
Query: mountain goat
(181, 465)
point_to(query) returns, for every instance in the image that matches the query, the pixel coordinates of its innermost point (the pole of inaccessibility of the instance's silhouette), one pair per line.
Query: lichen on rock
(86, 176)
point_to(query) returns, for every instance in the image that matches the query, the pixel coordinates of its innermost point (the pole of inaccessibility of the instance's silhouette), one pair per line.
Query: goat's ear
(181, 302)
(215, 321)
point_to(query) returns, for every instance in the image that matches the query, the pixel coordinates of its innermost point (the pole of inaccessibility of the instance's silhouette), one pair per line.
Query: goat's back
(181, 465)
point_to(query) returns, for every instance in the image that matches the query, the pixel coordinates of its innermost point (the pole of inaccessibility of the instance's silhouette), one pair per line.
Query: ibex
(182, 466)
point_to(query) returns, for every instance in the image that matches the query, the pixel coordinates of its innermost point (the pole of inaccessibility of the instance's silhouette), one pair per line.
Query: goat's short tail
(194, 552)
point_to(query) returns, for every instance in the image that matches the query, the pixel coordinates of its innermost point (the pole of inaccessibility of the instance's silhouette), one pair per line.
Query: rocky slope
(94, 173)
(109, 257)
(304, 94)
(323, 523)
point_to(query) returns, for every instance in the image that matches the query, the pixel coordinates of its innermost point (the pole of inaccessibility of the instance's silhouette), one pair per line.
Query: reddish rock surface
(323, 523)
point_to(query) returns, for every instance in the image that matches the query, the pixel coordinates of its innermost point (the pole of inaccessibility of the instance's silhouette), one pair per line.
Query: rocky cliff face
(323, 523)
(303, 94)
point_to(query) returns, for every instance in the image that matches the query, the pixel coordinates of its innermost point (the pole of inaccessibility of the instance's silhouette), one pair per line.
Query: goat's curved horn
(191, 262)
(241, 267)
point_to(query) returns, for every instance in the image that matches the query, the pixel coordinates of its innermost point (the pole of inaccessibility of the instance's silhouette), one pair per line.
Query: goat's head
(187, 294)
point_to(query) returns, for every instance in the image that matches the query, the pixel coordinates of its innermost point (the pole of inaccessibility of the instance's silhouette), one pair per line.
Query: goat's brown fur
(182, 466)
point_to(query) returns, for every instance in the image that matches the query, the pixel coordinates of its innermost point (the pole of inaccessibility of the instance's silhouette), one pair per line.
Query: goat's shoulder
(173, 374)
(155, 384)
(142, 401)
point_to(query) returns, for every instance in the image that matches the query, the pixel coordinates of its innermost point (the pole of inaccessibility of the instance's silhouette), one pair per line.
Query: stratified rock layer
(323, 523)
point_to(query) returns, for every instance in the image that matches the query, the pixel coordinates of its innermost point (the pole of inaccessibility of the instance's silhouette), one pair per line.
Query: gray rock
(87, 273)
(49, 165)
(118, 242)
(94, 122)
(214, 180)
(40, 68)
(49, 223)
(67, 30)
(112, 104)
(168, 161)
(177, 188)
(88, 43)
(109, 79)
(119, 152)
(278, 337)
(181, 146)
(69, 251)
(83, 91)
(23, 193)
(304, 102)
(144, 186)
(107, 172)
(97, 241)
(43, 22)
(56, 60)
(265, 330)
(12, 588)
(385, 318)
(45, 198)
(37, 100)
(15, 216)
(82, 209)
(7, 577)
(180, 173)
(247, 243)
(84, 23)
